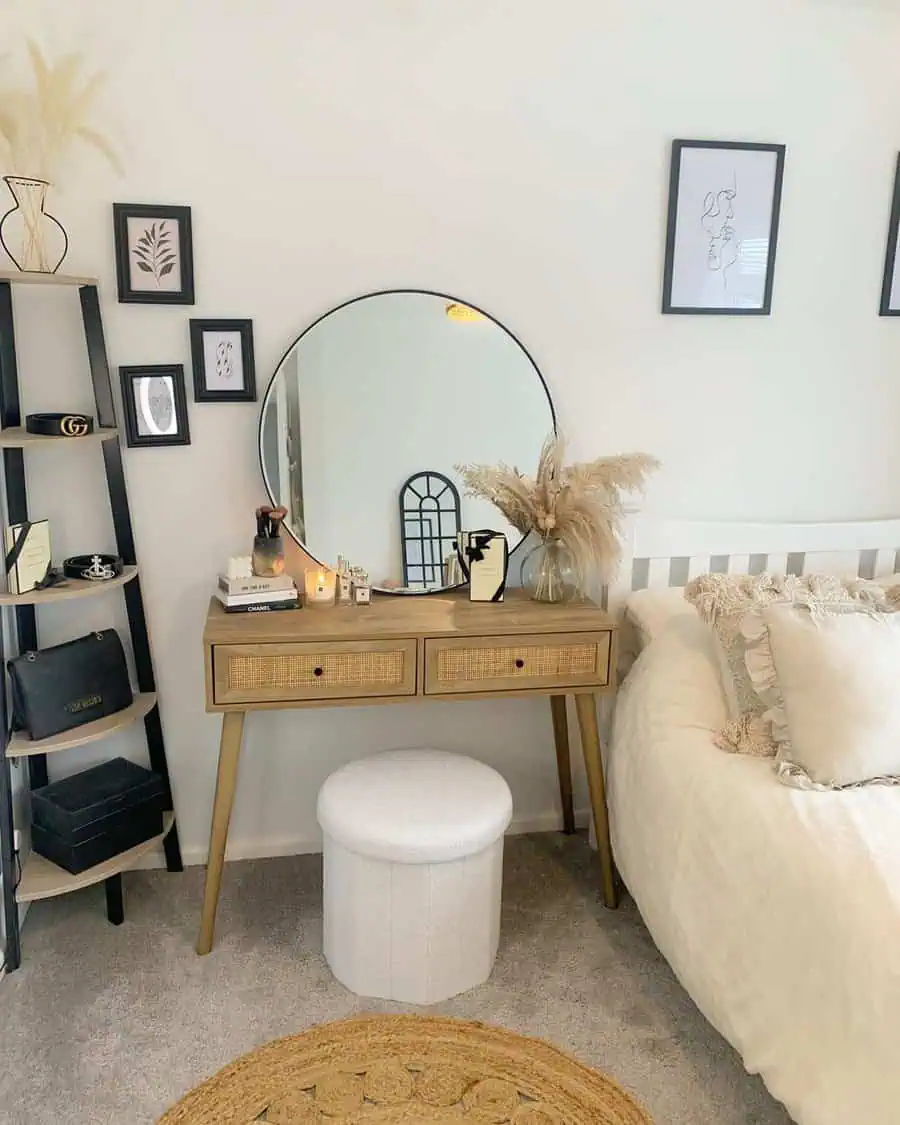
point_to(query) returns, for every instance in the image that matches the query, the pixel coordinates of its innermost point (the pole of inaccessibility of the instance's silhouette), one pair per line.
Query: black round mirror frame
(337, 308)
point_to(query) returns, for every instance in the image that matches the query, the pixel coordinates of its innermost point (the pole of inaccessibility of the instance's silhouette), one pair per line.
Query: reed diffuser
(575, 510)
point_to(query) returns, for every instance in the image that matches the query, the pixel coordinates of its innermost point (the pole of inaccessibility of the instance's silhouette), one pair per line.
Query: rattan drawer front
(472, 664)
(336, 670)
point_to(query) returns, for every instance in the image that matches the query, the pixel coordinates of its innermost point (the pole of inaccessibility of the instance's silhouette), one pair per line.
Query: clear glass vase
(548, 572)
(34, 240)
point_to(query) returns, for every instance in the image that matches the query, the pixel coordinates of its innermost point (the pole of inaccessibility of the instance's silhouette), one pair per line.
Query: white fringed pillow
(828, 677)
(724, 600)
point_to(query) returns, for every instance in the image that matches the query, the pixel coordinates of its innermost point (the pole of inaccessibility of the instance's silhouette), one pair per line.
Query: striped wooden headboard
(661, 552)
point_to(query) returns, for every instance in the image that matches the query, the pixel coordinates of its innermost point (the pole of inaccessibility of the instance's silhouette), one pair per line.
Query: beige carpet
(408, 1070)
(106, 1026)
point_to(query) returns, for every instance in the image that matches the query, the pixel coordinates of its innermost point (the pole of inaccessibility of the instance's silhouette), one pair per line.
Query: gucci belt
(95, 568)
(59, 425)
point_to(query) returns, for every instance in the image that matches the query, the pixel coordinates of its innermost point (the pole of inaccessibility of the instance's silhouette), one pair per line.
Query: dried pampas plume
(581, 504)
(39, 124)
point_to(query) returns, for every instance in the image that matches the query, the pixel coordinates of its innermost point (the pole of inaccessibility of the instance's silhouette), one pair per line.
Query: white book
(255, 585)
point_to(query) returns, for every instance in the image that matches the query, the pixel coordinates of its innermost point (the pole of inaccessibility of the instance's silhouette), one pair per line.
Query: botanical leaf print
(154, 252)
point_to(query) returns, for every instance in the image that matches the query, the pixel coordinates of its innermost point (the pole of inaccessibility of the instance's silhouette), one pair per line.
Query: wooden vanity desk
(407, 650)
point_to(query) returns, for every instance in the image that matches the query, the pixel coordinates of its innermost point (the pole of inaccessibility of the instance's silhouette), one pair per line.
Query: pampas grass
(40, 123)
(581, 504)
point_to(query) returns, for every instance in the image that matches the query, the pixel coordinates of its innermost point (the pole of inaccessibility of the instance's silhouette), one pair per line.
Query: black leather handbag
(56, 689)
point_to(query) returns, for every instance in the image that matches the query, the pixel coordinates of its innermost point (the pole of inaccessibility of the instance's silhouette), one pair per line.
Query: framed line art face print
(724, 208)
(154, 254)
(222, 361)
(155, 405)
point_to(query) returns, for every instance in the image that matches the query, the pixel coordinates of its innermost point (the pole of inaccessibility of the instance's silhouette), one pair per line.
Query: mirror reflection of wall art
(222, 357)
(724, 207)
(890, 289)
(154, 254)
(155, 405)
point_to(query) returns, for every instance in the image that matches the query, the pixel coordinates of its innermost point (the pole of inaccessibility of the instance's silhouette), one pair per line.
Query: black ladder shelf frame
(25, 616)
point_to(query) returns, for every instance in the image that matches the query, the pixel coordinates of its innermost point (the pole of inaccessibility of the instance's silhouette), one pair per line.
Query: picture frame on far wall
(223, 362)
(155, 405)
(154, 254)
(722, 232)
(890, 286)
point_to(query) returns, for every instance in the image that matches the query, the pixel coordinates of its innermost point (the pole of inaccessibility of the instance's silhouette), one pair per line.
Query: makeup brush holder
(268, 556)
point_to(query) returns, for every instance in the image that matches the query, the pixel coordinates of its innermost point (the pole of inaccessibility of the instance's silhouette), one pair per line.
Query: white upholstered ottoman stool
(413, 866)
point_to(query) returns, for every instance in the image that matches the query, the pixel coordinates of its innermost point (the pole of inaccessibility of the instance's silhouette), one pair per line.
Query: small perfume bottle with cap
(344, 582)
(361, 590)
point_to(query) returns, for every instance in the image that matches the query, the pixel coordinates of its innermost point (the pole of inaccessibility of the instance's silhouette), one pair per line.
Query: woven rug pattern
(406, 1070)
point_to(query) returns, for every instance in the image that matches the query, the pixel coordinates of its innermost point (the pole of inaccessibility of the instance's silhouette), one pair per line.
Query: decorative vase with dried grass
(38, 125)
(575, 510)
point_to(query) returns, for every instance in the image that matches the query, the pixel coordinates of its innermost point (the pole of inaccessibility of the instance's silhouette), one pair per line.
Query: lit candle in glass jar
(319, 584)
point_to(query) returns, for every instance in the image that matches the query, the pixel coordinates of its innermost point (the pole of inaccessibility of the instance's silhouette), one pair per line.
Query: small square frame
(122, 212)
(129, 376)
(202, 390)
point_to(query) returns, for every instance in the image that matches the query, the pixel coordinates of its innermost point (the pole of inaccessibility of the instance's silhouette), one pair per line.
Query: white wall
(513, 153)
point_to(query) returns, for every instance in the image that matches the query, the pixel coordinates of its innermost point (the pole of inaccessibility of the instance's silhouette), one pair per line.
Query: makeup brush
(276, 516)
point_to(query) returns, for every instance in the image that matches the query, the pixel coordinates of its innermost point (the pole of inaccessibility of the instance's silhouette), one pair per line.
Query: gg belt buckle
(74, 425)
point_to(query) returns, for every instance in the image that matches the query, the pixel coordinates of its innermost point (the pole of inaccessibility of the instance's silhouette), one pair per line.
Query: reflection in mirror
(368, 413)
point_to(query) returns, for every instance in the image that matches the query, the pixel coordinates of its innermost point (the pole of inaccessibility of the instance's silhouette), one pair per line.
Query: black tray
(86, 804)
(132, 830)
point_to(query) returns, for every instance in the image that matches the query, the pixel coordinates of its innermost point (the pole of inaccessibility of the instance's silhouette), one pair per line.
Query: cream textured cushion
(830, 676)
(651, 611)
(723, 600)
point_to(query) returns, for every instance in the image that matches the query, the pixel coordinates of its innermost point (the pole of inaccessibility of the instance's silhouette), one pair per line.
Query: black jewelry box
(131, 828)
(96, 814)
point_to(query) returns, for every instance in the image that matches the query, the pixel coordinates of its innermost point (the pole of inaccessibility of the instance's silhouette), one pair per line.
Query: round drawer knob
(520, 663)
(318, 671)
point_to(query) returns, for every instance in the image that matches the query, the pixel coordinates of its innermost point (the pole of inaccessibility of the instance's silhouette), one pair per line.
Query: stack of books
(257, 595)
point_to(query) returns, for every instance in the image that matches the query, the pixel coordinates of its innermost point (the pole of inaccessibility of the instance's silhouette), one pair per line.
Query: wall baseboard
(270, 849)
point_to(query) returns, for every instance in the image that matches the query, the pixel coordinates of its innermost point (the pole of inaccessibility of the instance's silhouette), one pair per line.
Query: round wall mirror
(366, 416)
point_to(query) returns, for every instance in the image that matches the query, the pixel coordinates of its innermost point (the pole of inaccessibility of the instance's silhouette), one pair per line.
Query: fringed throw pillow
(724, 600)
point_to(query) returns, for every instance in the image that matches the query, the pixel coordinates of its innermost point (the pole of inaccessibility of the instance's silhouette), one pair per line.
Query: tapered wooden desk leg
(563, 764)
(586, 709)
(226, 783)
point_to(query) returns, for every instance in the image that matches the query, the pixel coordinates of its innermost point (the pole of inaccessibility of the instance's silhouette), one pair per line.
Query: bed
(778, 909)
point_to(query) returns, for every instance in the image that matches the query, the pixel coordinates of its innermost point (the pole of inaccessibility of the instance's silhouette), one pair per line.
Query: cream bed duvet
(778, 910)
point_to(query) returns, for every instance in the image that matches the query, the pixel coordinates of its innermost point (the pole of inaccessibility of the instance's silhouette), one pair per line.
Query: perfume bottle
(361, 590)
(344, 589)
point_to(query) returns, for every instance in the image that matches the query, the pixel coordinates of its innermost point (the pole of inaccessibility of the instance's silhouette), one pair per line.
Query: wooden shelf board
(17, 437)
(20, 746)
(16, 277)
(43, 879)
(74, 588)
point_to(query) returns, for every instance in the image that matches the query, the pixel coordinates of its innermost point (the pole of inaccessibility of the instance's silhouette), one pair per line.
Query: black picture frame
(888, 297)
(203, 392)
(679, 148)
(157, 257)
(136, 423)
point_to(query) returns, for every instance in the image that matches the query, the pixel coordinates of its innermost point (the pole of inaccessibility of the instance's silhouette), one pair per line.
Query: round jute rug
(406, 1070)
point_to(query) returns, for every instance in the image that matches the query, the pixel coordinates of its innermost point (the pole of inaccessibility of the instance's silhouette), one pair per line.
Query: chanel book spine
(261, 607)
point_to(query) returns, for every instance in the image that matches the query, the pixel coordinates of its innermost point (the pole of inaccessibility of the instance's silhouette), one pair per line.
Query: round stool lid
(415, 806)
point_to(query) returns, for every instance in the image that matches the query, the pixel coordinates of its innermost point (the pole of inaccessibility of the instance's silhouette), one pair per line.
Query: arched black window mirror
(429, 520)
